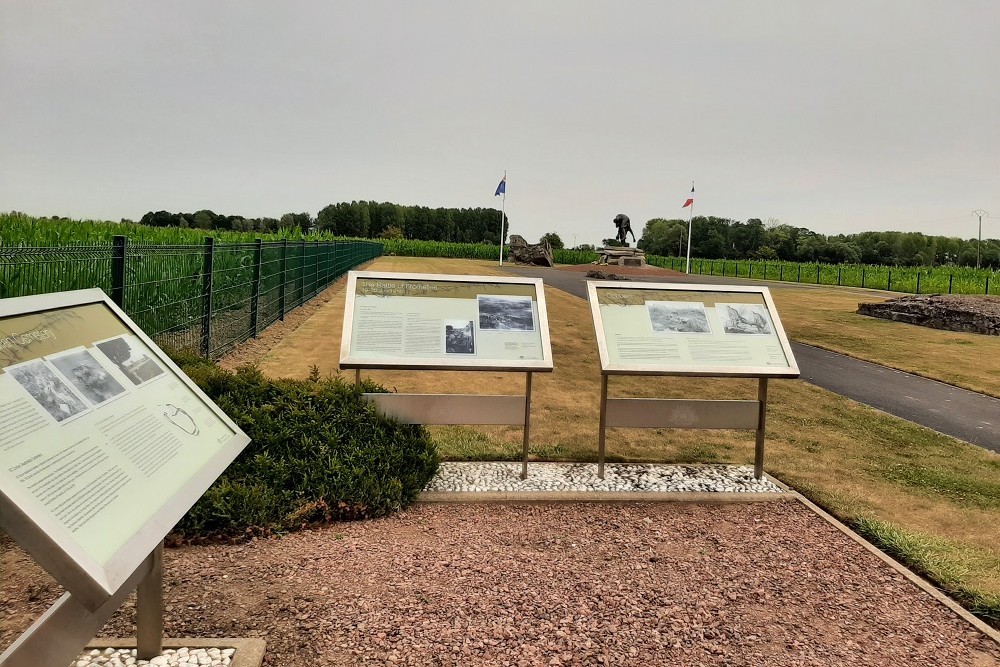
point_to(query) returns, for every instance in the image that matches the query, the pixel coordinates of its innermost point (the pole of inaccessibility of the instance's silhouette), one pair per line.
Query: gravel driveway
(765, 583)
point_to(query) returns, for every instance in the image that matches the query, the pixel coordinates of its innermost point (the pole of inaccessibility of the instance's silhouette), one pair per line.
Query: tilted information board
(104, 442)
(675, 329)
(695, 330)
(454, 323)
(445, 322)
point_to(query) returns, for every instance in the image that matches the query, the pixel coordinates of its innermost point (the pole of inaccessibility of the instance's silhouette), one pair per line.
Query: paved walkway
(960, 413)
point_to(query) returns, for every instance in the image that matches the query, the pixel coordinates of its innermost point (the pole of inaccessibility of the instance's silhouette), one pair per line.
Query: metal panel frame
(682, 413)
(535, 365)
(451, 408)
(87, 579)
(96, 590)
(697, 371)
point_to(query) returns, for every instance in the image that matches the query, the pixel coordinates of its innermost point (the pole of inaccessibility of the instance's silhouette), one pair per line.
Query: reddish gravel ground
(551, 584)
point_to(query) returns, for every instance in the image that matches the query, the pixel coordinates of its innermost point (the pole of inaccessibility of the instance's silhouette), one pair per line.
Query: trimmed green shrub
(317, 453)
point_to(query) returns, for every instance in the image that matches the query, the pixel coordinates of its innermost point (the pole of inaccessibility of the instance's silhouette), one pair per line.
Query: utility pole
(979, 213)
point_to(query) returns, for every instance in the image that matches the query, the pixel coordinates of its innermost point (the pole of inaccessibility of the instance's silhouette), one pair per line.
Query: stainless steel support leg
(149, 610)
(65, 628)
(527, 426)
(604, 417)
(758, 460)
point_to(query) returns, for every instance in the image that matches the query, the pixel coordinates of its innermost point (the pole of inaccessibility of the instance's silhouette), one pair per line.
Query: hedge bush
(317, 453)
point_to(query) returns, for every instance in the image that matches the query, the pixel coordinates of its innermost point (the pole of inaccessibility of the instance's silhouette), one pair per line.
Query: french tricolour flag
(690, 199)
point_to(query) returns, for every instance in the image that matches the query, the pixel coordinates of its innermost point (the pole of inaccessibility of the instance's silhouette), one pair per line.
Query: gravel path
(765, 583)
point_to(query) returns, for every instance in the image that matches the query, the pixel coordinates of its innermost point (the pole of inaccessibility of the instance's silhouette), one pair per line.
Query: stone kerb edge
(928, 588)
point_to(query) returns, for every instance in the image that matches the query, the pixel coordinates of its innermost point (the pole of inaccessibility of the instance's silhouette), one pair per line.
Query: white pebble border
(174, 657)
(581, 477)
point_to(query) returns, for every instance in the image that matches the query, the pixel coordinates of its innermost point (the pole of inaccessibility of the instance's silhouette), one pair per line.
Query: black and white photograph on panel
(131, 358)
(678, 317)
(459, 337)
(46, 387)
(88, 375)
(744, 318)
(505, 313)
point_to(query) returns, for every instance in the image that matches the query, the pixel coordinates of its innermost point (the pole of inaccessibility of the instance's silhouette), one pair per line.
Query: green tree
(663, 237)
(553, 240)
(391, 232)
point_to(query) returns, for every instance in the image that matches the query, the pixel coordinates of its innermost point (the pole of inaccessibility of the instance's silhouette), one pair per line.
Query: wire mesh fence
(200, 298)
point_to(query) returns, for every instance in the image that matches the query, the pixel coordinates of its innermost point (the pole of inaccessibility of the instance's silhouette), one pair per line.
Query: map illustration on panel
(459, 337)
(744, 318)
(678, 317)
(51, 392)
(505, 313)
(88, 375)
(126, 353)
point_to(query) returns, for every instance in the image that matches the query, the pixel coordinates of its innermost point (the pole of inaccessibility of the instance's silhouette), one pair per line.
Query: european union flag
(502, 188)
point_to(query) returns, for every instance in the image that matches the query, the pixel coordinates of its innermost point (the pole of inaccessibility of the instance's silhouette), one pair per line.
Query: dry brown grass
(854, 460)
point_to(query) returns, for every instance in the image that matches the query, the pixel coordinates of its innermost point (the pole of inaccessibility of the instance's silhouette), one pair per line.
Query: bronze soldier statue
(624, 227)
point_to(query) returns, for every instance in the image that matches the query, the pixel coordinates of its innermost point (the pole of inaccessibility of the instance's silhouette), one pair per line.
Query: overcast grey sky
(840, 117)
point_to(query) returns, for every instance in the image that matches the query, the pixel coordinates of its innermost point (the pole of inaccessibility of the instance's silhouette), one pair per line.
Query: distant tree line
(360, 219)
(712, 237)
(206, 219)
(721, 238)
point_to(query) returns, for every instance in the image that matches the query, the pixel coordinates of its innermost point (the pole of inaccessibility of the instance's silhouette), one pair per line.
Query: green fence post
(817, 273)
(300, 281)
(987, 285)
(206, 299)
(862, 277)
(888, 283)
(781, 272)
(118, 271)
(840, 272)
(281, 294)
(799, 279)
(255, 294)
(918, 282)
(951, 280)
(316, 286)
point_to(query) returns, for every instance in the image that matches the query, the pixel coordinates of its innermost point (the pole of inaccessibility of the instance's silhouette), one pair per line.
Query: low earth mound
(953, 312)
(646, 270)
(600, 275)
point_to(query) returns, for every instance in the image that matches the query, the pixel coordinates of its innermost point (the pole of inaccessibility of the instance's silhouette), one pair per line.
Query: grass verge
(934, 559)
(827, 318)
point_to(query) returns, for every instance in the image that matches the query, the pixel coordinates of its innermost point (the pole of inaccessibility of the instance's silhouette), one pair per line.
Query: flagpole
(503, 201)
(687, 268)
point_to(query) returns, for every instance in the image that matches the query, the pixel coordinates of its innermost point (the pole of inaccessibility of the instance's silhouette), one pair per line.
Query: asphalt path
(960, 413)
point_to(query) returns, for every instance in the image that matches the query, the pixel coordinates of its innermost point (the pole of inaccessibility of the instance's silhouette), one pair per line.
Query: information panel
(674, 329)
(104, 442)
(434, 321)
